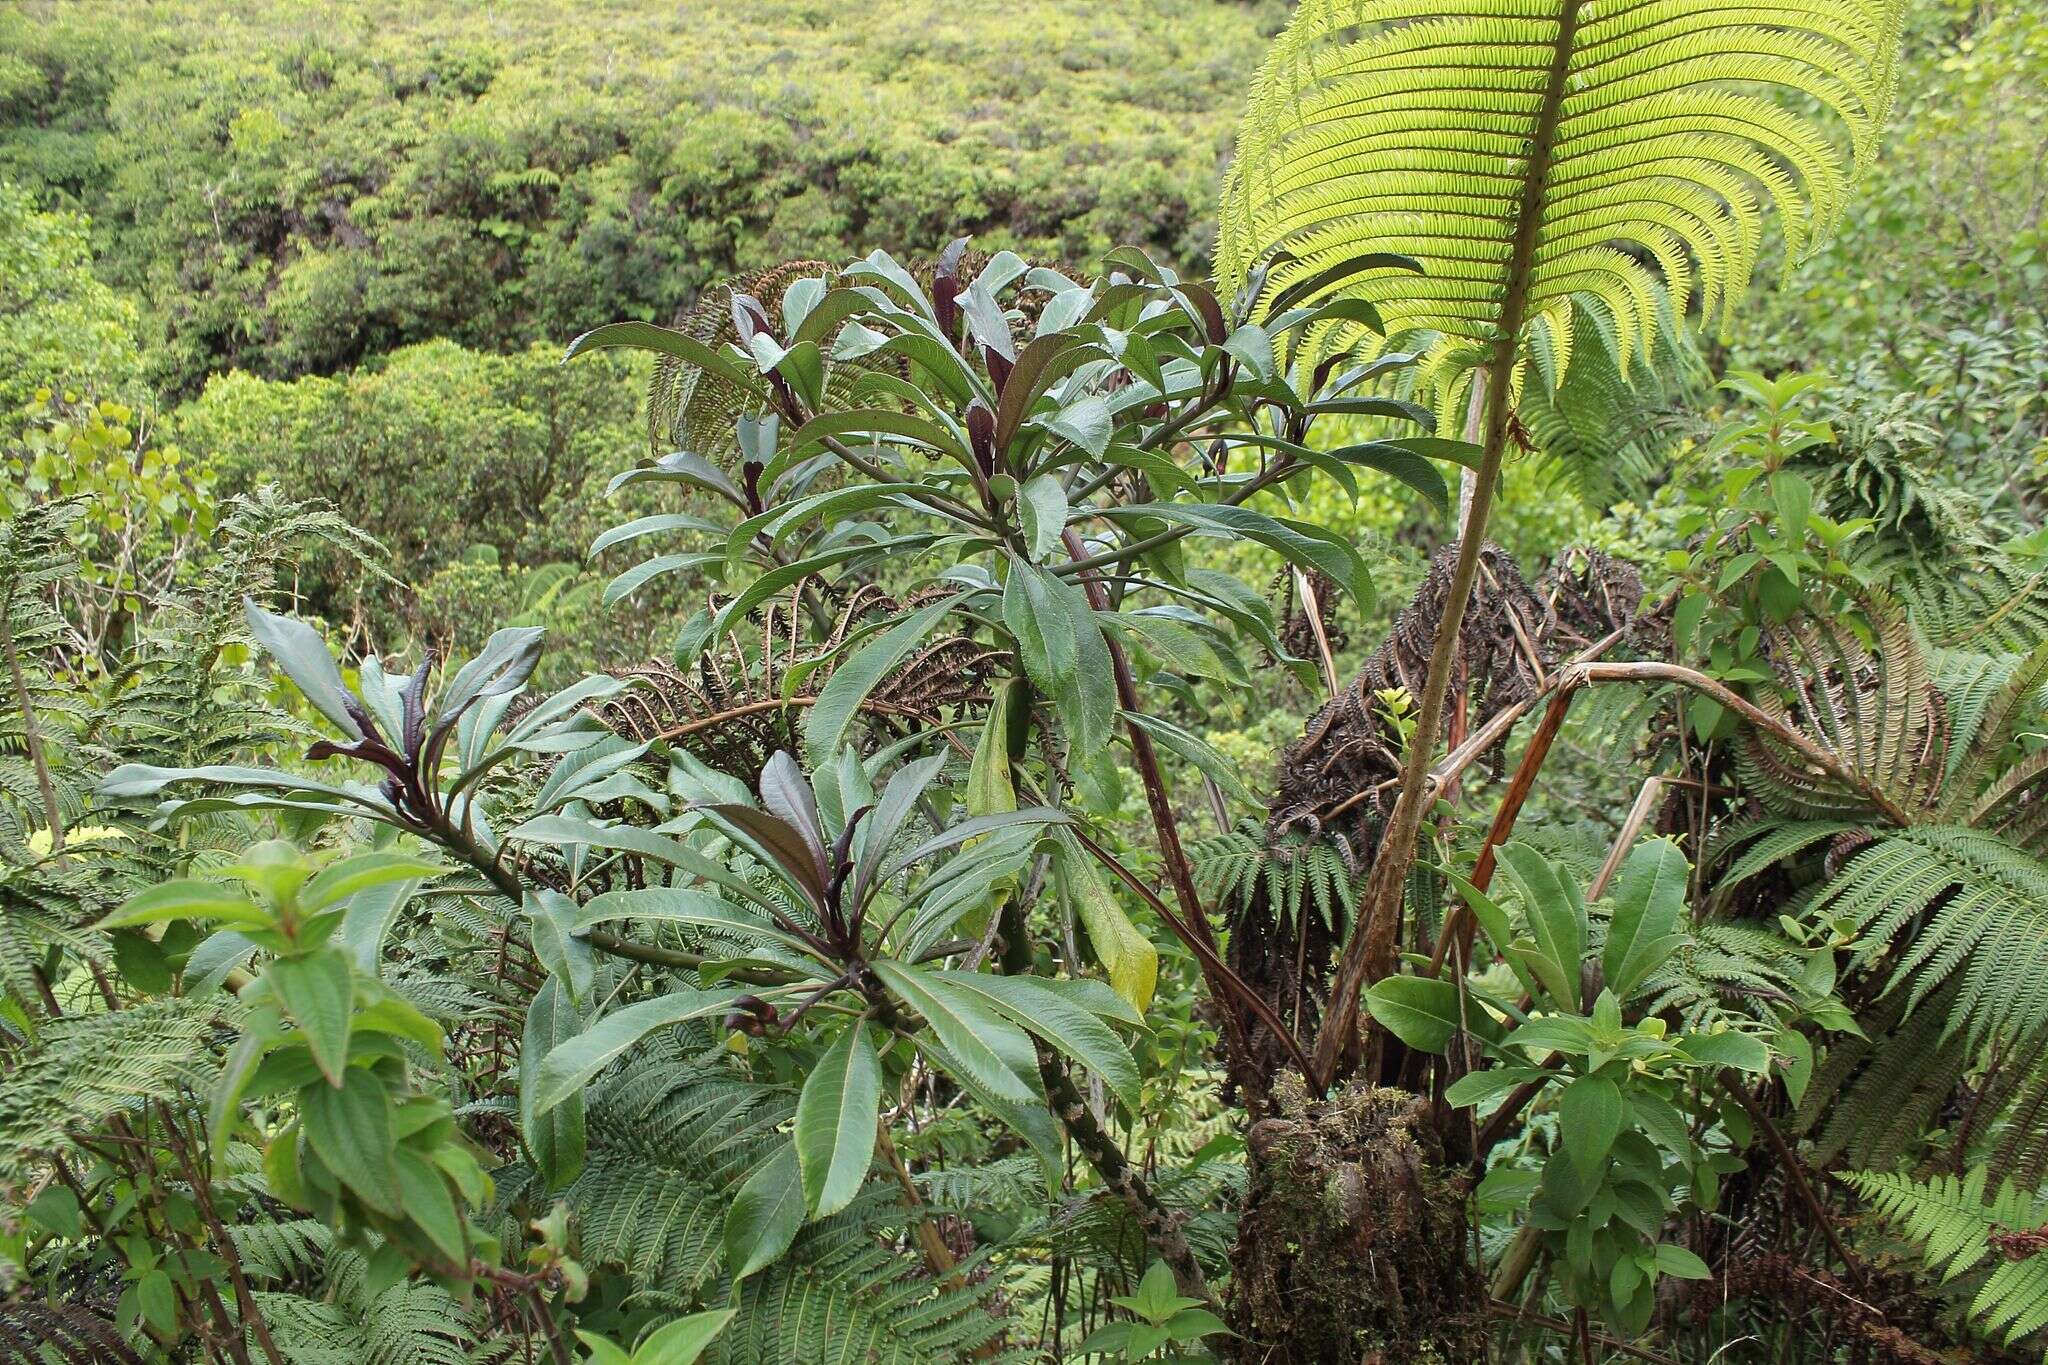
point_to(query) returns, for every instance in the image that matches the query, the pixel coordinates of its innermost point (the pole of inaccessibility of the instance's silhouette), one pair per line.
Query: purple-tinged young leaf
(748, 317)
(946, 289)
(787, 793)
(361, 716)
(775, 841)
(414, 699)
(981, 431)
(999, 366)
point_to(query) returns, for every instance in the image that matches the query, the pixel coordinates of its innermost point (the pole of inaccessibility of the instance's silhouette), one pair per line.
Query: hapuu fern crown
(1644, 136)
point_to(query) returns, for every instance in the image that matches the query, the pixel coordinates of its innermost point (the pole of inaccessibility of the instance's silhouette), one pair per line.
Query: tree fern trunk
(1370, 954)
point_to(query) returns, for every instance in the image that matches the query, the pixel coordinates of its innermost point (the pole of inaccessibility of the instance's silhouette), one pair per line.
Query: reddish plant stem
(1459, 924)
(202, 1199)
(1795, 1171)
(1166, 830)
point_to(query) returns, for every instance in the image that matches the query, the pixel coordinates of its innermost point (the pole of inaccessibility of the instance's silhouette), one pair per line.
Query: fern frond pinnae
(737, 709)
(1981, 910)
(32, 1333)
(1642, 141)
(1960, 1227)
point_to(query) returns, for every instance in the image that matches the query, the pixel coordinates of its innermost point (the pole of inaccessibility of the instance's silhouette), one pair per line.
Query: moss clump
(1354, 1244)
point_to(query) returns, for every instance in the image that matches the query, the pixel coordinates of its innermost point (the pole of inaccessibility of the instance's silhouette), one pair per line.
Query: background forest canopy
(285, 293)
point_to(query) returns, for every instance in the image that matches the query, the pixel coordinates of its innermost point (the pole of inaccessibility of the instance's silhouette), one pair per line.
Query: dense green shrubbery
(293, 194)
(436, 448)
(551, 1020)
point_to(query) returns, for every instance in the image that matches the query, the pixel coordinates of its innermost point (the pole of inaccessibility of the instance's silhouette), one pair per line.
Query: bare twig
(1795, 1171)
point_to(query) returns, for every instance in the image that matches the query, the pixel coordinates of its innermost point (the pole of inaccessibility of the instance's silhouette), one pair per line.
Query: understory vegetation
(755, 683)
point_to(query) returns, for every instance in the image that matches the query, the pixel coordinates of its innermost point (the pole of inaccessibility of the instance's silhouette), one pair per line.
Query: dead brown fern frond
(747, 698)
(33, 1333)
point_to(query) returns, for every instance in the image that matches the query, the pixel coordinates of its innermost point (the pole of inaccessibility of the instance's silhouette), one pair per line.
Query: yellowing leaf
(1126, 955)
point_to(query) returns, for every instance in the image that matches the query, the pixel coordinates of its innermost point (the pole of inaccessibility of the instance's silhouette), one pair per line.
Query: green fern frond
(844, 1296)
(1955, 1224)
(1872, 701)
(2020, 1150)
(281, 1253)
(1969, 592)
(1770, 842)
(87, 1068)
(1981, 906)
(1295, 873)
(1603, 429)
(1639, 142)
(1007, 1185)
(1723, 964)
(1872, 1099)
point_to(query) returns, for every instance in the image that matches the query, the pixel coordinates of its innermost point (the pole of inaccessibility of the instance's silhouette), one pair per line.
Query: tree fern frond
(1957, 1226)
(33, 1333)
(1982, 910)
(1642, 140)
(1872, 702)
(279, 1253)
(1968, 592)
(1872, 1098)
(1971, 683)
(1296, 873)
(1768, 842)
(1723, 963)
(2020, 1152)
(1604, 430)
(844, 1296)
(87, 1068)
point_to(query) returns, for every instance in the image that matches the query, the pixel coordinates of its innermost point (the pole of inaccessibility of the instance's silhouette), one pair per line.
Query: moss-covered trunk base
(1354, 1246)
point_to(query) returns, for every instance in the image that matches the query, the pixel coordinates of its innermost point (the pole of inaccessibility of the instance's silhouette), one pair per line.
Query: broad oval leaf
(317, 991)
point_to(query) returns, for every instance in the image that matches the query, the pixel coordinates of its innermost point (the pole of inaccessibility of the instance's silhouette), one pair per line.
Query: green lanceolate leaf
(1036, 614)
(502, 666)
(1649, 902)
(430, 1206)
(686, 906)
(766, 1214)
(338, 881)
(1730, 1049)
(565, 1071)
(648, 337)
(317, 992)
(1589, 1118)
(856, 679)
(975, 1036)
(302, 654)
(1127, 957)
(1042, 509)
(1042, 1008)
(188, 899)
(682, 1341)
(1298, 542)
(1556, 920)
(835, 1122)
(556, 1138)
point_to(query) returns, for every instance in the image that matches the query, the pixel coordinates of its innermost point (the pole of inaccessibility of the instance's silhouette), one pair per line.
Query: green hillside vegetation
(1349, 682)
